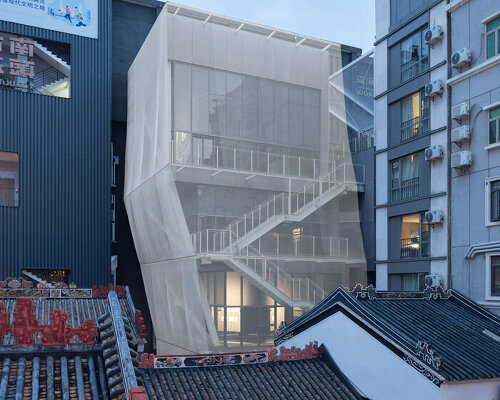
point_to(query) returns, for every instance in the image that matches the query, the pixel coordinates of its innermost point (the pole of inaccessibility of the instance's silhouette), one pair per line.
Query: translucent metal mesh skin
(168, 179)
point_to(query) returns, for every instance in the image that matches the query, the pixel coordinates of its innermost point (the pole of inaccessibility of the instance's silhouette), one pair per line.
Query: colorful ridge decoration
(25, 326)
(310, 351)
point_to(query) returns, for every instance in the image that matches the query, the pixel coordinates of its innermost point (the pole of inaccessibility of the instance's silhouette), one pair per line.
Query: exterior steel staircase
(232, 244)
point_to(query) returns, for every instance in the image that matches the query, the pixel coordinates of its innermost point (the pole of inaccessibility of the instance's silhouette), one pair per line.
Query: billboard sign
(78, 17)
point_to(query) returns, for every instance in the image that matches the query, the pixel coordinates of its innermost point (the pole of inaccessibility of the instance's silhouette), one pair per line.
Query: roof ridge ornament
(434, 293)
(424, 351)
(359, 291)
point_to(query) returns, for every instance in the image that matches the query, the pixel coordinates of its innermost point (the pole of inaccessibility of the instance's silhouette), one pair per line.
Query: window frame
(488, 275)
(497, 125)
(421, 43)
(496, 37)
(420, 241)
(399, 188)
(487, 201)
(424, 108)
(15, 200)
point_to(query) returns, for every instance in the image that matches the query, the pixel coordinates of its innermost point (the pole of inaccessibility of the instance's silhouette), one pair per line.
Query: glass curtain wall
(218, 110)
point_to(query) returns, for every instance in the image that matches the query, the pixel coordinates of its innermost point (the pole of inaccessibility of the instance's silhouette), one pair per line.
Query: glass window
(35, 65)
(495, 276)
(415, 114)
(495, 201)
(414, 56)
(405, 177)
(414, 236)
(493, 38)
(494, 123)
(259, 111)
(9, 179)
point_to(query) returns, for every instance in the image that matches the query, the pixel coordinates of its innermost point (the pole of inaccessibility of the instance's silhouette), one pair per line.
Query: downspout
(448, 146)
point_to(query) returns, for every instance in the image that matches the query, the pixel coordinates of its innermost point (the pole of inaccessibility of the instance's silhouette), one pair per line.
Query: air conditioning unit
(461, 58)
(433, 153)
(461, 159)
(434, 34)
(434, 88)
(433, 280)
(433, 217)
(460, 134)
(460, 110)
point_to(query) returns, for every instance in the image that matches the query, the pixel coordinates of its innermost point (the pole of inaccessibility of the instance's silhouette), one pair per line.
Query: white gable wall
(478, 390)
(370, 365)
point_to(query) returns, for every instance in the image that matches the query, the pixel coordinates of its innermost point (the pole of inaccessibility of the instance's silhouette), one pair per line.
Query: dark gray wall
(131, 24)
(366, 204)
(63, 218)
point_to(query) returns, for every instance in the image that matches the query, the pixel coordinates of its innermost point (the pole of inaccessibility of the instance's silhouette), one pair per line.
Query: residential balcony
(409, 189)
(415, 127)
(414, 247)
(414, 67)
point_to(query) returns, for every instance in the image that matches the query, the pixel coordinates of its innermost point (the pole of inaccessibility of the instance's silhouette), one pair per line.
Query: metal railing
(408, 189)
(289, 203)
(219, 241)
(363, 141)
(47, 77)
(8, 197)
(295, 288)
(413, 67)
(414, 248)
(415, 127)
(232, 158)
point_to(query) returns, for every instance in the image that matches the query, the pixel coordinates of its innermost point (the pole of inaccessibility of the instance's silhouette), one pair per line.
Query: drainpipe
(449, 146)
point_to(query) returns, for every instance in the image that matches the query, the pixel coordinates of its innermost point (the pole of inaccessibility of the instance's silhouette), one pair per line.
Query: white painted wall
(382, 282)
(381, 178)
(371, 366)
(481, 390)
(382, 234)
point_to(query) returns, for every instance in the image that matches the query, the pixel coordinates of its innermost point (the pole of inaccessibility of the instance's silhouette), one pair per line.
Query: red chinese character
(22, 68)
(21, 46)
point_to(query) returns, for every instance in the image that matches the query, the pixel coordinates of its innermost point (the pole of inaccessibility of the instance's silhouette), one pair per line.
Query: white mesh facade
(243, 213)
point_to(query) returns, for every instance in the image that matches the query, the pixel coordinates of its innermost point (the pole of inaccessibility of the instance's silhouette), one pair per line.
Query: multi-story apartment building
(411, 143)
(55, 130)
(243, 208)
(474, 87)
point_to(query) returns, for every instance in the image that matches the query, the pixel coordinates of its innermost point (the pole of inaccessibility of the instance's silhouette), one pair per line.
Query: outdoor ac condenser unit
(460, 134)
(461, 159)
(433, 153)
(461, 58)
(434, 34)
(433, 217)
(434, 88)
(460, 111)
(433, 280)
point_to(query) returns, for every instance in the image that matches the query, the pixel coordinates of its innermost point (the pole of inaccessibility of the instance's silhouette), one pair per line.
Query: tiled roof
(78, 310)
(456, 337)
(316, 378)
(50, 349)
(50, 375)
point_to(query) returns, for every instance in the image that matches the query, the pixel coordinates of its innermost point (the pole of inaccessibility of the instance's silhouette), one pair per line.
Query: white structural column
(180, 312)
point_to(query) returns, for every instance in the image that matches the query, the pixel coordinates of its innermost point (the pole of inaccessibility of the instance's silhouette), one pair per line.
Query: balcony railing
(8, 197)
(232, 158)
(363, 141)
(415, 127)
(408, 190)
(414, 248)
(413, 67)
